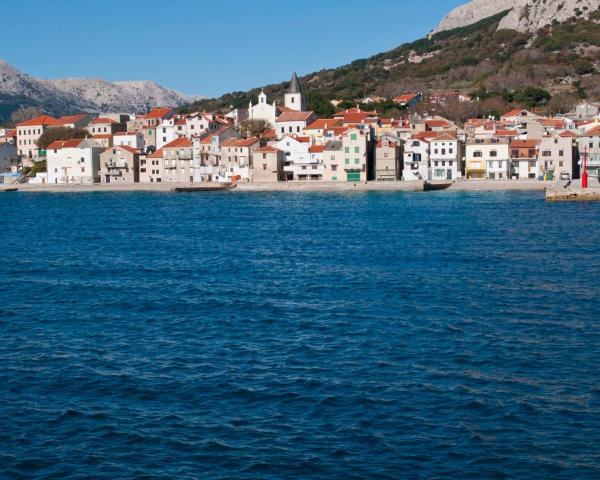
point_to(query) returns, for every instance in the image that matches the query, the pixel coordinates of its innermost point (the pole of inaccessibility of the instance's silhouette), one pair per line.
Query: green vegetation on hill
(553, 67)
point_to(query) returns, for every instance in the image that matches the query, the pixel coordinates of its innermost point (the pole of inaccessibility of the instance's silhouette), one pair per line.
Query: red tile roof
(568, 134)
(58, 144)
(157, 154)
(317, 149)
(594, 132)
(267, 149)
(323, 123)
(41, 120)
(179, 142)
(158, 113)
(293, 116)
(102, 136)
(65, 119)
(102, 121)
(524, 143)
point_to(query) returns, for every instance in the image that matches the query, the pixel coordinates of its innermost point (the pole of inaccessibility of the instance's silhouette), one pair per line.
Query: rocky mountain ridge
(57, 97)
(523, 15)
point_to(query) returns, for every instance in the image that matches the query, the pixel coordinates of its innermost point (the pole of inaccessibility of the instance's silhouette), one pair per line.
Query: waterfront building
(236, 158)
(523, 158)
(177, 161)
(356, 155)
(9, 158)
(487, 158)
(152, 168)
(555, 156)
(445, 158)
(267, 164)
(296, 155)
(316, 130)
(388, 159)
(74, 161)
(29, 132)
(416, 158)
(120, 165)
(590, 143)
(333, 161)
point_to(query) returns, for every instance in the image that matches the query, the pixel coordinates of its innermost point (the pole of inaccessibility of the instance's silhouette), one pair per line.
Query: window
(385, 155)
(561, 153)
(334, 168)
(356, 149)
(346, 149)
(264, 166)
(443, 151)
(264, 155)
(478, 154)
(546, 153)
(334, 178)
(353, 136)
(357, 161)
(561, 163)
(347, 161)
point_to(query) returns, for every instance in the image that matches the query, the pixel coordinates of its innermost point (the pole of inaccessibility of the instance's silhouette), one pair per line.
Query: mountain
(523, 15)
(472, 12)
(58, 97)
(485, 58)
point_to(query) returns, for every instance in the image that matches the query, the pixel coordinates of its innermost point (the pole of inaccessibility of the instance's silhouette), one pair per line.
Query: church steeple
(294, 99)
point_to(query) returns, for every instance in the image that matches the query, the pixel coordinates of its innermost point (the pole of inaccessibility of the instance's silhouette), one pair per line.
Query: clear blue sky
(205, 47)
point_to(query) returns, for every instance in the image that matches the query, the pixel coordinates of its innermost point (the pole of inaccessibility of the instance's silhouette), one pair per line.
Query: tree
(60, 133)
(253, 128)
(38, 167)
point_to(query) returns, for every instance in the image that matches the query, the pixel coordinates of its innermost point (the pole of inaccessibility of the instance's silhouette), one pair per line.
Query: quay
(573, 192)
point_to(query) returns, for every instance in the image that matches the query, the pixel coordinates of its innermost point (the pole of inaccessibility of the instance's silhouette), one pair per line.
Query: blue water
(322, 336)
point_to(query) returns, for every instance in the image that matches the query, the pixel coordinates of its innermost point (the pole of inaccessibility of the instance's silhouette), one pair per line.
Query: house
(237, 115)
(373, 99)
(295, 156)
(210, 153)
(523, 158)
(147, 124)
(267, 165)
(104, 139)
(236, 158)
(357, 118)
(165, 132)
(152, 168)
(356, 164)
(103, 126)
(8, 135)
(316, 130)
(555, 157)
(589, 144)
(520, 115)
(445, 157)
(80, 120)
(585, 110)
(408, 100)
(487, 158)
(120, 165)
(177, 161)
(416, 157)
(445, 98)
(9, 158)
(388, 159)
(29, 132)
(293, 122)
(294, 99)
(129, 139)
(73, 161)
(333, 161)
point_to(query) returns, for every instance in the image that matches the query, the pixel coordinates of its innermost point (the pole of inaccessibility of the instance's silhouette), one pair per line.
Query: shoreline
(457, 186)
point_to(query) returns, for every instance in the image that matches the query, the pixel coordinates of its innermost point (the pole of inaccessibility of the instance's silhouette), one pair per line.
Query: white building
(416, 159)
(263, 110)
(295, 156)
(73, 161)
(129, 139)
(165, 132)
(293, 123)
(445, 158)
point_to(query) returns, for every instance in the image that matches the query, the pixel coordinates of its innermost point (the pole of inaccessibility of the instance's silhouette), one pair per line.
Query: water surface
(299, 335)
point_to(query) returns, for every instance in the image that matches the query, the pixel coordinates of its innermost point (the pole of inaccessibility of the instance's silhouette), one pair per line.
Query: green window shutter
(356, 149)
(334, 178)
(357, 160)
(347, 161)
(353, 137)
(346, 149)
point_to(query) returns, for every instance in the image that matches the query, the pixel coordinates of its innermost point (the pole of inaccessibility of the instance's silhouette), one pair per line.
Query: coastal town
(268, 143)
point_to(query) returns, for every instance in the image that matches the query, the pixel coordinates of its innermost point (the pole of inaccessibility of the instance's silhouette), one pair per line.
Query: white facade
(129, 139)
(416, 159)
(296, 158)
(445, 159)
(165, 133)
(262, 110)
(74, 164)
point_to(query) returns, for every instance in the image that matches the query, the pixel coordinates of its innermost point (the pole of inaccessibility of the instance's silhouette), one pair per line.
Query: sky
(203, 47)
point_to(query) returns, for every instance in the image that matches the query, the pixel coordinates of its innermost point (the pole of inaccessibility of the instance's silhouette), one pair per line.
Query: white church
(294, 100)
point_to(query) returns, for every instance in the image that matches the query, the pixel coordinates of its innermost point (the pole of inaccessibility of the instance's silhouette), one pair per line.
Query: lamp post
(584, 175)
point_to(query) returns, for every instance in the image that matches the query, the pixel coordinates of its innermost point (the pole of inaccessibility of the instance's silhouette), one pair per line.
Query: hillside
(58, 97)
(562, 58)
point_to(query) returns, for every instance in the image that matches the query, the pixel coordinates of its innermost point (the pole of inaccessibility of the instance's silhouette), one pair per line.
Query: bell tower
(294, 99)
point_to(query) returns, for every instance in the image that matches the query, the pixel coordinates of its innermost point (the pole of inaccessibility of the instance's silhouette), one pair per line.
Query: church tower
(294, 100)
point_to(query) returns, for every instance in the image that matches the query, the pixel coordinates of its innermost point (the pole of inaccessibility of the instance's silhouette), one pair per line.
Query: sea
(354, 335)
